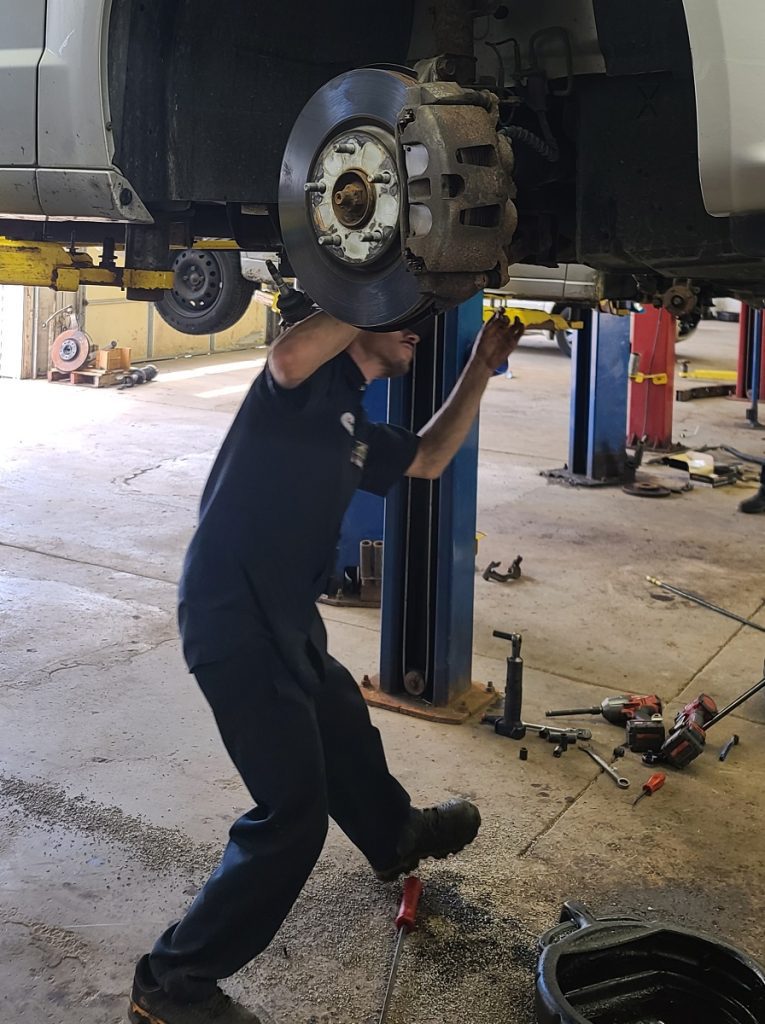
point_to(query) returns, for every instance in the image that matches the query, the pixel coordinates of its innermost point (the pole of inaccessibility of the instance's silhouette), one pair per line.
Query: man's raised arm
(300, 350)
(444, 434)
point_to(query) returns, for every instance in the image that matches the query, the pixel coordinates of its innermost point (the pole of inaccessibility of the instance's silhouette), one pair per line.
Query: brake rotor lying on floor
(396, 197)
(628, 972)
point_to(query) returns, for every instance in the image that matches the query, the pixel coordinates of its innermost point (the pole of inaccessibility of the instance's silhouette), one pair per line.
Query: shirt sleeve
(391, 453)
(306, 396)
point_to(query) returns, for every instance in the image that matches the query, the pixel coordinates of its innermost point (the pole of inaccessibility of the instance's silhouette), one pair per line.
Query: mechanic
(756, 503)
(291, 717)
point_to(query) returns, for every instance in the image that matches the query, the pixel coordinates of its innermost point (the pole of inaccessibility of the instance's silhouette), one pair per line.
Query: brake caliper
(460, 218)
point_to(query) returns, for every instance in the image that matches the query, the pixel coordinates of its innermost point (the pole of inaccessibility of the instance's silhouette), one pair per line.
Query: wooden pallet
(87, 378)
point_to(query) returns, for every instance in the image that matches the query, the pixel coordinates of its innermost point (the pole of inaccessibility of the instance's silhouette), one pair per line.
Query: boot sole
(406, 866)
(136, 1015)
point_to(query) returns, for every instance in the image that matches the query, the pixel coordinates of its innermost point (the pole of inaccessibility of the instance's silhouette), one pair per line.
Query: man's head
(384, 354)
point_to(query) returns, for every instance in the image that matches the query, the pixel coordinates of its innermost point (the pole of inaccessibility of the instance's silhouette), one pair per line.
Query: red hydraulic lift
(652, 378)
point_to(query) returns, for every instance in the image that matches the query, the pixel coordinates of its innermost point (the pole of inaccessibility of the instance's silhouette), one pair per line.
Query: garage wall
(107, 316)
(11, 330)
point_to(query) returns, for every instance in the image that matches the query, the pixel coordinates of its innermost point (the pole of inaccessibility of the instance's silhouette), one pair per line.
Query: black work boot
(754, 504)
(434, 832)
(150, 1005)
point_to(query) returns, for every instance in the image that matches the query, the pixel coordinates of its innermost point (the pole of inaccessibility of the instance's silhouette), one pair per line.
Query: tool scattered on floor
(736, 703)
(137, 375)
(552, 734)
(405, 922)
(513, 572)
(619, 752)
(643, 734)
(523, 754)
(561, 735)
(617, 710)
(732, 742)
(702, 602)
(702, 467)
(621, 782)
(689, 734)
(640, 713)
(687, 739)
(510, 722)
(649, 787)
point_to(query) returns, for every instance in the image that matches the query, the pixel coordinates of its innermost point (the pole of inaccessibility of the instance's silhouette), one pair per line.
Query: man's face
(392, 350)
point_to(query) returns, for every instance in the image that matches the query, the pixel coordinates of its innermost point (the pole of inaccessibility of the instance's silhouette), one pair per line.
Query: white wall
(11, 330)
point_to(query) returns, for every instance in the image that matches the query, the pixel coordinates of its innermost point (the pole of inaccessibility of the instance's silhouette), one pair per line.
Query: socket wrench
(621, 782)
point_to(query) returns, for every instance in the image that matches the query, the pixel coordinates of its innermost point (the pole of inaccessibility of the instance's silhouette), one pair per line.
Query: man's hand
(497, 340)
(443, 435)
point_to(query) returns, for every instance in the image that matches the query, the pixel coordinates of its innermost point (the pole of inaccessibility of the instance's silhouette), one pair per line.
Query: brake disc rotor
(340, 201)
(70, 351)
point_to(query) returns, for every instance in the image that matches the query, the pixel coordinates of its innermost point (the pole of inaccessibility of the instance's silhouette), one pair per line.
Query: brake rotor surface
(70, 351)
(646, 489)
(339, 201)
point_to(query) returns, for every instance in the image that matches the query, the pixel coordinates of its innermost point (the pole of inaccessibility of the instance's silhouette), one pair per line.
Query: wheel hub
(377, 241)
(197, 279)
(354, 195)
(70, 351)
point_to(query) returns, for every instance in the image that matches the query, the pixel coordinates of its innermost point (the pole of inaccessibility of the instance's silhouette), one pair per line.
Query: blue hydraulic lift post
(429, 561)
(364, 517)
(599, 378)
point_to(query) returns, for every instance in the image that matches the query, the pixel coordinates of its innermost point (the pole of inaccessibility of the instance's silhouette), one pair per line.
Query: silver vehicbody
(567, 282)
(56, 152)
(727, 46)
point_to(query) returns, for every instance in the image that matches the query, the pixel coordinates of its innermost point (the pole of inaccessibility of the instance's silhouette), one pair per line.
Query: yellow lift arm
(50, 265)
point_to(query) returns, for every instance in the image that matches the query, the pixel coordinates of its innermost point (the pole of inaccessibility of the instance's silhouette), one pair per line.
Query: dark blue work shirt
(272, 508)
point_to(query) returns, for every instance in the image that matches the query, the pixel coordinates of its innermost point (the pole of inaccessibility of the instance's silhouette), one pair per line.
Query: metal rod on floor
(705, 604)
(735, 703)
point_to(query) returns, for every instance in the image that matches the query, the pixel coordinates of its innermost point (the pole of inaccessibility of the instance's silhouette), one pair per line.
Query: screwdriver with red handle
(405, 921)
(656, 781)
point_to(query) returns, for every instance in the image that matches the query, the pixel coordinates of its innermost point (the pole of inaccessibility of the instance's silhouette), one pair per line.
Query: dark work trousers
(303, 757)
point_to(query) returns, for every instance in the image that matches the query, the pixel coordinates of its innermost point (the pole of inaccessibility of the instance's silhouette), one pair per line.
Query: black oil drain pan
(626, 971)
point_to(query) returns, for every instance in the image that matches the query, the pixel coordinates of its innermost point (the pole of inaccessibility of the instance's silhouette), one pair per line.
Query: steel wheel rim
(197, 283)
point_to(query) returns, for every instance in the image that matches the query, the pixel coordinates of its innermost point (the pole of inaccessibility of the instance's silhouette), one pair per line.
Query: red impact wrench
(405, 922)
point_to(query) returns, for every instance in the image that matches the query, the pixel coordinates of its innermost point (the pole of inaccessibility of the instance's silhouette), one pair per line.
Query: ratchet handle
(407, 912)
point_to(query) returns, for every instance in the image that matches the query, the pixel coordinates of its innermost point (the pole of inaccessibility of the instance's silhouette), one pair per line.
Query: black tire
(209, 293)
(686, 325)
(565, 339)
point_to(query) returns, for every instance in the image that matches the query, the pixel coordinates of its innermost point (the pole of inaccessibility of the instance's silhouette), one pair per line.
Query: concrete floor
(115, 793)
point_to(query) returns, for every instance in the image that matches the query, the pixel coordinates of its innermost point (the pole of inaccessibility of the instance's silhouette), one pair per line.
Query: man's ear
(425, 327)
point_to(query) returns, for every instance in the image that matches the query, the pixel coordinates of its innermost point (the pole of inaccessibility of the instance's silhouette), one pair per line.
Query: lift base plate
(464, 706)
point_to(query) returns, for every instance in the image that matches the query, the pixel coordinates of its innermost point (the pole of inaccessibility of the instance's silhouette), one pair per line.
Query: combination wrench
(621, 782)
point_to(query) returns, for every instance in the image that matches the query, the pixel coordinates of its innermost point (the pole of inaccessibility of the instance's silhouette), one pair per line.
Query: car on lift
(398, 160)
(570, 288)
